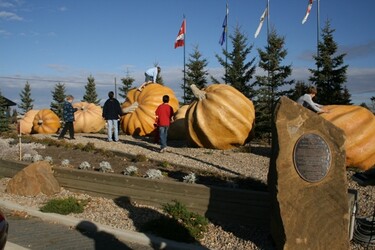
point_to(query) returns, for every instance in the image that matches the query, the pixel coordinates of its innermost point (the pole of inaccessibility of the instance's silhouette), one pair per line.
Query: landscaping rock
(35, 179)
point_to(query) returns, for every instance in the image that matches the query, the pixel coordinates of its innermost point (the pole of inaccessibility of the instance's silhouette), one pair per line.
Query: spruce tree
(239, 71)
(195, 74)
(58, 96)
(126, 85)
(272, 86)
(26, 101)
(330, 75)
(90, 95)
(4, 119)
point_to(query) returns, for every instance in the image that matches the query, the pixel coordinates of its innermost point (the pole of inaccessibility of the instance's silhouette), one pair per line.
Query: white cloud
(63, 8)
(9, 16)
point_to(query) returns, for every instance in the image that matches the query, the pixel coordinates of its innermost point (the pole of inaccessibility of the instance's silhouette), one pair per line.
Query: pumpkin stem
(40, 122)
(131, 108)
(199, 94)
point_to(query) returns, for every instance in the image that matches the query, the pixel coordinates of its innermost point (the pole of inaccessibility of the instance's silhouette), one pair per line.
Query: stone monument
(307, 181)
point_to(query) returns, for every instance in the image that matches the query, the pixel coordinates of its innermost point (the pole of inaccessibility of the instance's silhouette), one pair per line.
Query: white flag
(307, 11)
(261, 22)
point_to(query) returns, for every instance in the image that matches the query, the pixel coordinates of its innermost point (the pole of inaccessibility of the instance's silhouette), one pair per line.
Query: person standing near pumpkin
(164, 115)
(68, 115)
(112, 113)
(307, 102)
(150, 76)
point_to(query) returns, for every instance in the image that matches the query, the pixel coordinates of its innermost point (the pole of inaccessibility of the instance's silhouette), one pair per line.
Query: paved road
(34, 233)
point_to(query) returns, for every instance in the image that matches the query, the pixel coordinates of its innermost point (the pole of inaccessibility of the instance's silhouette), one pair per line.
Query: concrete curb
(122, 235)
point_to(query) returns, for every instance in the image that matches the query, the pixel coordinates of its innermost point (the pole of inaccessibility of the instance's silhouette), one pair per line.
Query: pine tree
(90, 95)
(58, 96)
(330, 75)
(26, 101)
(238, 71)
(272, 86)
(4, 119)
(195, 74)
(299, 89)
(126, 85)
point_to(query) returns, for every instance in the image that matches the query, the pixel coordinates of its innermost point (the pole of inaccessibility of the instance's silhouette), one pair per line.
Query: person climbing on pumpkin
(150, 76)
(68, 115)
(164, 116)
(307, 102)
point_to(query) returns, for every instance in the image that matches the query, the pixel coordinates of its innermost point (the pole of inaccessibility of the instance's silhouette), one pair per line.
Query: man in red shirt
(164, 115)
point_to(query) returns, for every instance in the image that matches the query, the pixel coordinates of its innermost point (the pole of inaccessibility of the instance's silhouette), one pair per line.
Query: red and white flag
(307, 11)
(261, 22)
(180, 39)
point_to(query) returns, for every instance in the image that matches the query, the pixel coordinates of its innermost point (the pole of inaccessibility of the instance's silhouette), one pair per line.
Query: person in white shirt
(150, 77)
(307, 102)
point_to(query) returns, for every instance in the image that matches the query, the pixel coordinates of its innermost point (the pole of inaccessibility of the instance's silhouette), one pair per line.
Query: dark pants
(67, 126)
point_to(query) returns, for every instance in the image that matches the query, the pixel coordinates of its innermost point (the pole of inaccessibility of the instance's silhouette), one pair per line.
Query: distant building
(8, 104)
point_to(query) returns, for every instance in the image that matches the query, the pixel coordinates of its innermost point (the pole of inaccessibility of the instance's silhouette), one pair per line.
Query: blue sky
(66, 41)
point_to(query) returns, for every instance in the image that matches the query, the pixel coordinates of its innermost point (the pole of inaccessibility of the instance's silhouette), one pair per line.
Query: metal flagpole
(317, 30)
(226, 42)
(184, 59)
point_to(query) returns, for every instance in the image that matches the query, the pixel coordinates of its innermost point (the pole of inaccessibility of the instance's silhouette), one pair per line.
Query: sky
(47, 42)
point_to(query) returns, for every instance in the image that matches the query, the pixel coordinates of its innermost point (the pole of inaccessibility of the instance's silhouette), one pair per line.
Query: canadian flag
(180, 39)
(307, 11)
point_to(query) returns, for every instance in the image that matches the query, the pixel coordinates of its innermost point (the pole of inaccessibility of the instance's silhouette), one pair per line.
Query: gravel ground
(229, 162)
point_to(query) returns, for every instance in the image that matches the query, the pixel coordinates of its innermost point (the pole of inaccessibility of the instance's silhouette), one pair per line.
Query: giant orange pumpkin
(46, 122)
(140, 121)
(221, 117)
(177, 130)
(88, 118)
(26, 123)
(358, 124)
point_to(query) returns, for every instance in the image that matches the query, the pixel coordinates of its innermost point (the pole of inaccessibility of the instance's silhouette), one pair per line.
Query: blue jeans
(163, 134)
(112, 124)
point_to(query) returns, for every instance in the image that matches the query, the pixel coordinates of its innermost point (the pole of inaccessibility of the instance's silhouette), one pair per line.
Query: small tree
(90, 95)
(58, 96)
(26, 101)
(4, 119)
(238, 71)
(330, 75)
(127, 83)
(195, 74)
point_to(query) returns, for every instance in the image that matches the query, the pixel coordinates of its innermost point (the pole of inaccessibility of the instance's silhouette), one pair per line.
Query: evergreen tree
(299, 89)
(126, 85)
(330, 75)
(58, 96)
(4, 119)
(26, 101)
(195, 74)
(238, 71)
(272, 86)
(90, 95)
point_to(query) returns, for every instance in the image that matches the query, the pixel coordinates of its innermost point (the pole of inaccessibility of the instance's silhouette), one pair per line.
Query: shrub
(48, 159)
(164, 164)
(140, 158)
(131, 170)
(89, 147)
(84, 165)
(27, 157)
(180, 225)
(105, 166)
(65, 163)
(190, 178)
(37, 157)
(154, 174)
(64, 206)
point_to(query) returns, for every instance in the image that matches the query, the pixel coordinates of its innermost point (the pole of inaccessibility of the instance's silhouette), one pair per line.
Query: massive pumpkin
(221, 117)
(177, 130)
(358, 123)
(26, 123)
(140, 120)
(46, 122)
(88, 118)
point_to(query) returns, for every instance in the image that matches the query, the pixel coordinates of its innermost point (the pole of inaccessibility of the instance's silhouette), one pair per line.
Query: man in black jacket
(112, 113)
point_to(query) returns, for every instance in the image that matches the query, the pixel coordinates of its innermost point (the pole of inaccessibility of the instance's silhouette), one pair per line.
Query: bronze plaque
(312, 157)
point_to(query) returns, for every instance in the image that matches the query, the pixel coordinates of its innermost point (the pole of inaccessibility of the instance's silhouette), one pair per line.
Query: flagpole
(226, 42)
(317, 29)
(184, 60)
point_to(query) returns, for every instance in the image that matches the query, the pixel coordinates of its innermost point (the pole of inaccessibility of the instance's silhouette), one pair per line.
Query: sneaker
(162, 150)
(60, 138)
(72, 138)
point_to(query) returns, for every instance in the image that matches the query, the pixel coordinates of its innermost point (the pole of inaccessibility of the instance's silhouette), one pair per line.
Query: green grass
(64, 206)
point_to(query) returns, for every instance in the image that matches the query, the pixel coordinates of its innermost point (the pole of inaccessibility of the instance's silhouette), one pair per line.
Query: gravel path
(228, 162)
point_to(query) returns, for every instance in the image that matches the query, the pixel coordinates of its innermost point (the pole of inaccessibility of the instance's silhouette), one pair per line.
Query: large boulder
(307, 181)
(34, 179)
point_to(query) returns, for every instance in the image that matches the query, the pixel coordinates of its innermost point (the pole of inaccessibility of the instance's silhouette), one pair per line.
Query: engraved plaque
(312, 157)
